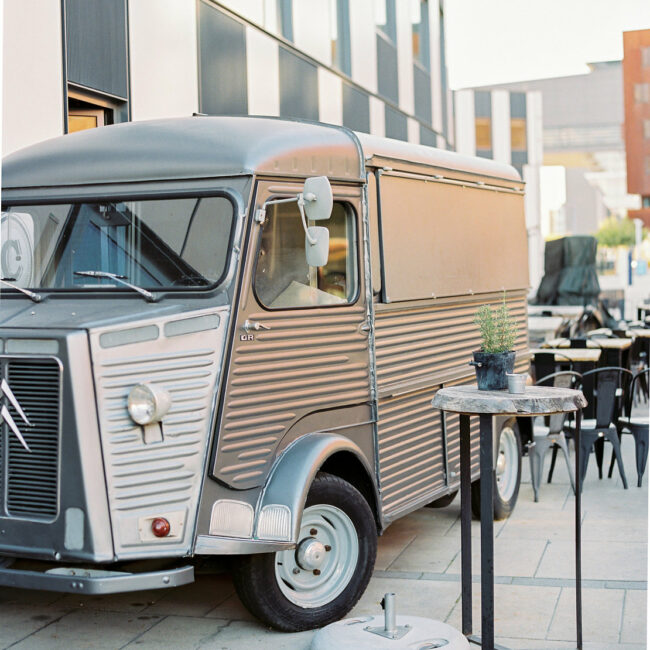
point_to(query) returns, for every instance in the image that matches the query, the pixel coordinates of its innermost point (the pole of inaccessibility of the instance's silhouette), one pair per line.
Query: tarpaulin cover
(569, 272)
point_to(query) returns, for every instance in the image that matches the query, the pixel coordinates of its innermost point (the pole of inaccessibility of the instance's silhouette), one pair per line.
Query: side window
(282, 277)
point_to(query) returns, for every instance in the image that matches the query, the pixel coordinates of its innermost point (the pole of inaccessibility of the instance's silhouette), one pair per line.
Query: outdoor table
(467, 401)
(542, 327)
(572, 354)
(565, 311)
(639, 332)
(595, 342)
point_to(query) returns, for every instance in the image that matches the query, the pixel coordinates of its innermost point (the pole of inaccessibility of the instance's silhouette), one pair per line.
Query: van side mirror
(317, 245)
(317, 197)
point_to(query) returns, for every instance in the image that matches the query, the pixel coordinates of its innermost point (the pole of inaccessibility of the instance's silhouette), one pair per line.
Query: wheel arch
(295, 469)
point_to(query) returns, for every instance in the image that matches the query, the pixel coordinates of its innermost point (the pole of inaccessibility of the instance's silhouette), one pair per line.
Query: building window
(642, 93)
(518, 134)
(645, 57)
(340, 35)
(647, 165)
(646, 129)
(420, 32)
(284, 19)
(483, 133)
(88, 111)
(385, 19)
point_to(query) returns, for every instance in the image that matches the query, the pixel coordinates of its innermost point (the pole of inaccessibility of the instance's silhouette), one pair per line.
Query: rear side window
(282, 277)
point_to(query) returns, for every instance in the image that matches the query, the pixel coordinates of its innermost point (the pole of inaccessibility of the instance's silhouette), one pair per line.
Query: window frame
(357, 241)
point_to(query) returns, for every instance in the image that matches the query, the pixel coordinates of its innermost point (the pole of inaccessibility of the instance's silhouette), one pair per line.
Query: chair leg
(536, 453)
(552, 467)
(613, 438)
(599, 448)
(586, 443)
(561, 443)
(619, 433)
(641, 445)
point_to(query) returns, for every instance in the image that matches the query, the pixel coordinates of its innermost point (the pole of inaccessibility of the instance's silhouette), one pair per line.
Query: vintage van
(222, 335)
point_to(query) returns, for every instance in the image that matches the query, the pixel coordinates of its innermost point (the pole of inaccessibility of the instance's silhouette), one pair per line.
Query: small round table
(467, 401)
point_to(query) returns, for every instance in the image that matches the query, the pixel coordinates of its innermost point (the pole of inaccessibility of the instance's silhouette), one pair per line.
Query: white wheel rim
(328, 563)
(507, 464)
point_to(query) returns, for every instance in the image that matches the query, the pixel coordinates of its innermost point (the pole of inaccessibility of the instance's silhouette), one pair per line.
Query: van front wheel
(320, 580)
(507, 472)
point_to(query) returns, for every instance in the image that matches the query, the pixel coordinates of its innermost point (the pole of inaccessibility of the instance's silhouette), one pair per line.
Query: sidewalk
(419, 560)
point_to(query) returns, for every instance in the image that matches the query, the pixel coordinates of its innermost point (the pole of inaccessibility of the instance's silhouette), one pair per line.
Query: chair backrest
(563, 379)
(546, 363)
(639, 381)
(579, 343)
(604, 388)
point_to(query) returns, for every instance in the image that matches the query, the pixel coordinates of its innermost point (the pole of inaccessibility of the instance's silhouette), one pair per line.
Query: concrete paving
(418, 559)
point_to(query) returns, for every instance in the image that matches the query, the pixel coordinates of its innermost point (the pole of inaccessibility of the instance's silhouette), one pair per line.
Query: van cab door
(299, 360)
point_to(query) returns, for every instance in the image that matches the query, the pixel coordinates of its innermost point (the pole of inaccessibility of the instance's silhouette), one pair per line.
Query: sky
(498, 41)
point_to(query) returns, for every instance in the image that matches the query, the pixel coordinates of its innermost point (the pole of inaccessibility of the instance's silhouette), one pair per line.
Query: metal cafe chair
(602, 387)
(547, 363)
(550, 434)
(635, 425)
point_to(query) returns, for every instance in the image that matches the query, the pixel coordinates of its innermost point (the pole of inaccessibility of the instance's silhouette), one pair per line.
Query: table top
(573, 354)
(536, 400)
(594, 343)
(639, 332)
(556, 310)
(544, 323)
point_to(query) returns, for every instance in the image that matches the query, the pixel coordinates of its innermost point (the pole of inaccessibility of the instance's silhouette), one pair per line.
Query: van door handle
(253, 325)
(365, 327)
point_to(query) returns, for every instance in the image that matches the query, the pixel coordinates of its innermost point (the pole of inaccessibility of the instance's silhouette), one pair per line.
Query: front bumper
(93, 581)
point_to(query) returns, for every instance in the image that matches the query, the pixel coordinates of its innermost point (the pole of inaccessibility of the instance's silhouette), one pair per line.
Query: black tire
(257, 581)
(443, 502)
(506, 491)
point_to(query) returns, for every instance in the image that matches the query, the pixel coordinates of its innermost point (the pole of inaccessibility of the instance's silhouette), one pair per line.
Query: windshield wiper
(36, 297)
(118, 278)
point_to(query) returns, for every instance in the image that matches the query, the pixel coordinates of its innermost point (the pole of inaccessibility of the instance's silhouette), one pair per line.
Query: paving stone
(413, 597)
(427, 553)
(231, 608)
(132, 601)
(18, 620)
(521, 559)
(241, 635)
(195, 599)
(635, 614)
(544, 524)
(391, 544)
(600, 561)
(89, 628)
(28, 596)
(602, 611)
(180, 632)
(519, 612)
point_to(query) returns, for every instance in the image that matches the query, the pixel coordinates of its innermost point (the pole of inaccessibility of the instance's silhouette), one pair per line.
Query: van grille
(30, 478)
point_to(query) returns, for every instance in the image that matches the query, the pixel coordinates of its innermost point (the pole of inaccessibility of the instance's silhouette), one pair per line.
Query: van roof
(202, 147)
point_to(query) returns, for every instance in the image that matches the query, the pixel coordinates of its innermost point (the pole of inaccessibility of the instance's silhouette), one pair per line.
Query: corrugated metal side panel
(411, 452)
(307, 361)
(432, 344)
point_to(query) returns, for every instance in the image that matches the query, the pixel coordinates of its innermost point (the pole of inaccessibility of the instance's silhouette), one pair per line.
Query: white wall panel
(413, 131)
(465, 125)
(405, 56)
(363, 44)
(501, 126)
(311, 28)
(163, 49)
(377, 117)
(263, 73)
(251, 9)
(434, 53)
(32, 73)
(534, 128)
(330, 97)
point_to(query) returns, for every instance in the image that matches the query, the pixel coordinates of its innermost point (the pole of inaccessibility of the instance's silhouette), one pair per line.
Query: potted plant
(496, 356)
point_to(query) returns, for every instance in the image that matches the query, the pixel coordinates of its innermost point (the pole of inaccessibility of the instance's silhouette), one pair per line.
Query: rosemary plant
(498, 329)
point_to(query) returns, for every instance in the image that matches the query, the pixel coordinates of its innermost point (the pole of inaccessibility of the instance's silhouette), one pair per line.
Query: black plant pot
(491, 369)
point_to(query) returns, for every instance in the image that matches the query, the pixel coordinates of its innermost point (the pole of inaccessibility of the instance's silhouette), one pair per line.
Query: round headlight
(148, 403)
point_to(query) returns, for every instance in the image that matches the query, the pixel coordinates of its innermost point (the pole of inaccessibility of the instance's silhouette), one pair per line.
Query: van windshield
(164, 243)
